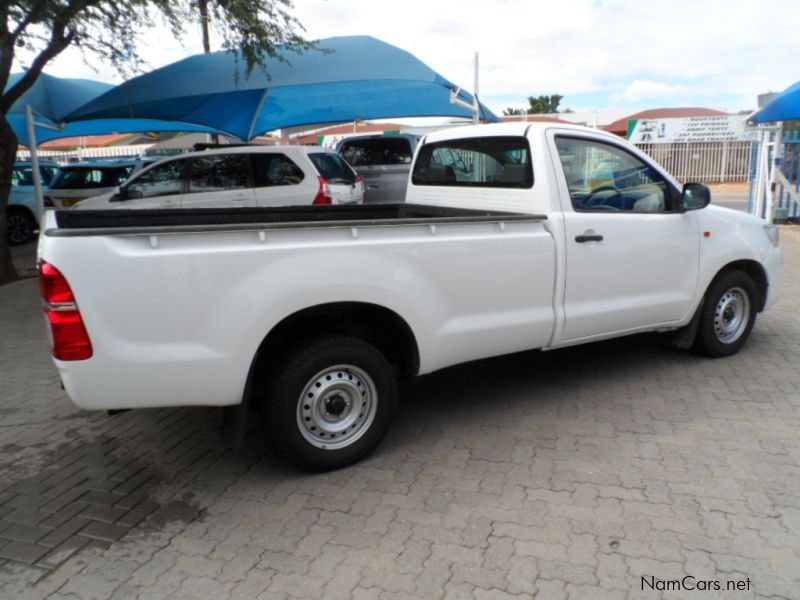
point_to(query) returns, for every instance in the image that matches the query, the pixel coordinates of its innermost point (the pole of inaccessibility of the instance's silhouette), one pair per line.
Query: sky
(599, 54)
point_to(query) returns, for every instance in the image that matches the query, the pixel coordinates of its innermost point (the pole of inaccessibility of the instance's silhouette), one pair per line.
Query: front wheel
(331, 402)
(728, 315)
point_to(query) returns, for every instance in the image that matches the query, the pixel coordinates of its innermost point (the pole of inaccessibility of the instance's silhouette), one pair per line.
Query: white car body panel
(186, 312)
(181, 345)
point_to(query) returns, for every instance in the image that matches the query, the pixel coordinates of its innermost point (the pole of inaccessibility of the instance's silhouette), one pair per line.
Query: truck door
(631, 259)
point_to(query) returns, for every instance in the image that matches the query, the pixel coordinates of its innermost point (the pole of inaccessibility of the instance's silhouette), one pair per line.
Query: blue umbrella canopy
(784, 107)
(54, 97)
(358, 77)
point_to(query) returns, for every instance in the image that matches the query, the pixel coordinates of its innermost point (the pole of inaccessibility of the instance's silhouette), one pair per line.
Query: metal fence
(101, 153)
(712, 162)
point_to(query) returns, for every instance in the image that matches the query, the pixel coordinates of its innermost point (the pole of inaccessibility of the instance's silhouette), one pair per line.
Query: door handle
(582, 239)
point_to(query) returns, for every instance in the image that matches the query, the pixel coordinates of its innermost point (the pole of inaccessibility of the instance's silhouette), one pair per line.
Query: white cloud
(644, 88)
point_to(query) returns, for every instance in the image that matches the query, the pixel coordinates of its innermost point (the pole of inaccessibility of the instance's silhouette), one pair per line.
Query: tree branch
(59, 40)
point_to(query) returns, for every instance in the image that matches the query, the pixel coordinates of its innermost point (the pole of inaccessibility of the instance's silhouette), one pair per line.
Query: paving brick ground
(570, 474)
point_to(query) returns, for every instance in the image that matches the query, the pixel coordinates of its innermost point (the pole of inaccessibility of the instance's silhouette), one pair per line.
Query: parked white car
(78, 181)
(240, 176)
(21, 219)
(514, 236)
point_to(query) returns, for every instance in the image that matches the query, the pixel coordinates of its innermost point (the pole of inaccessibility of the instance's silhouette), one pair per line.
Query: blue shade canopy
(99, 127)
(54, 97)
(359, 78)
(784, 107)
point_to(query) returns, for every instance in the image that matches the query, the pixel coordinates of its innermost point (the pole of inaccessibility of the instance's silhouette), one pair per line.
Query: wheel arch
(20, 208)
(756, 272)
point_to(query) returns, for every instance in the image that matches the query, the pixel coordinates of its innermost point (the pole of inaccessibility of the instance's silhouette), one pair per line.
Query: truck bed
(109, 222)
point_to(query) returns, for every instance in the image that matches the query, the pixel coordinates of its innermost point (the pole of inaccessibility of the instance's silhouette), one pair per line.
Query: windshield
(377, 151)
(23, 174)
(76, 178)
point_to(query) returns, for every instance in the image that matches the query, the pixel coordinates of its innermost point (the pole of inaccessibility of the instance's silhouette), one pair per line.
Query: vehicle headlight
(773, 234)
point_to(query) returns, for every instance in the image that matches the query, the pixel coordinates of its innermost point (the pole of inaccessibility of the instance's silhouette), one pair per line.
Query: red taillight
(360, 181)
(70, 340)
(324, 193)
(48, 202)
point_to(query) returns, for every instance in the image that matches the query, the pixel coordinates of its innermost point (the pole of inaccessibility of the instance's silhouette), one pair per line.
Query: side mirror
(131, 194)
(694, 197)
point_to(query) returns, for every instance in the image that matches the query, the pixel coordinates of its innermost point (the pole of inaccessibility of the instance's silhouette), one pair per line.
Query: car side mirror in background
(695, 196)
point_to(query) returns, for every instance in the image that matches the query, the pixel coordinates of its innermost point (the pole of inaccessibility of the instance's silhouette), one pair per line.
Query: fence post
(724, 163)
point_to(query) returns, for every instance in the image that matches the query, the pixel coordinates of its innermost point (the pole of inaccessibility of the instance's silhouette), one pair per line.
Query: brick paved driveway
(570, 474)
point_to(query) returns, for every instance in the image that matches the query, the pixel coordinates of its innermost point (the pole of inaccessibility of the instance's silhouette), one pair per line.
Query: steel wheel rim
(337, 407)
(17, 228)
(731, 315)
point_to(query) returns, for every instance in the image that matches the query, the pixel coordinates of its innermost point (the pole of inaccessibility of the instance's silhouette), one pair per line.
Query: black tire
(20, 225)
(319, 366)
(731, 294)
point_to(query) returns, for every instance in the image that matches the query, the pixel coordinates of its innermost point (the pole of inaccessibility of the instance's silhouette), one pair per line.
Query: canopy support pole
(475, 107)
(37, 178)
(476, 115)
(256, 115)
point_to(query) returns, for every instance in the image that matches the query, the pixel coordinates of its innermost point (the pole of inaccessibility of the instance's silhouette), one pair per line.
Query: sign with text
(722, 128)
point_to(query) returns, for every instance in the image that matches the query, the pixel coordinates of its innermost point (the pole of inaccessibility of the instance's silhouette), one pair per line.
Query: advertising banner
(722, 128)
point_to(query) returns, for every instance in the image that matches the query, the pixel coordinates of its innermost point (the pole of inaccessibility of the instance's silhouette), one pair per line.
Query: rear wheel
(331, 402)
(20, 226)
(728, 314)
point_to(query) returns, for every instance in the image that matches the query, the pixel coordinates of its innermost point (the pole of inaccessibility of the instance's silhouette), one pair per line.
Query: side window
(501, 162)
(161, 180)
(332, 167)
(605, 178)
(274, 169)
(218, 173)
(115, 177)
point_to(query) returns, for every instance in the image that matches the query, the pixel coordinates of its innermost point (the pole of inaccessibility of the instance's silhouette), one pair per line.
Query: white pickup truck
(513, 237)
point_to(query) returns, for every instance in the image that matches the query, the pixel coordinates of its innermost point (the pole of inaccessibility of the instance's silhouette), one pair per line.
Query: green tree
(540, 105)
(544, 104)
(111, 30)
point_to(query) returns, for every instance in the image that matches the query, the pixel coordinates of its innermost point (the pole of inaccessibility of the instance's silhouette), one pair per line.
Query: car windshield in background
(23, 175)
(503, 162)
(377, 151)
(332, 167)
(76, 178)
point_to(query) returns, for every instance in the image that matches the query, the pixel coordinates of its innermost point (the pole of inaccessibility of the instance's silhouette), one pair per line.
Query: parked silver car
(384, 161)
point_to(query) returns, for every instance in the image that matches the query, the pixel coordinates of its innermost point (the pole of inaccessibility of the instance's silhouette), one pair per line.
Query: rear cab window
(377, 151)
(497, 162)
(332, 167)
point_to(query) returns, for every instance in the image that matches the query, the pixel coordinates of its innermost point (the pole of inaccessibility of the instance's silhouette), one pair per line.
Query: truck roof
(517, 128)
